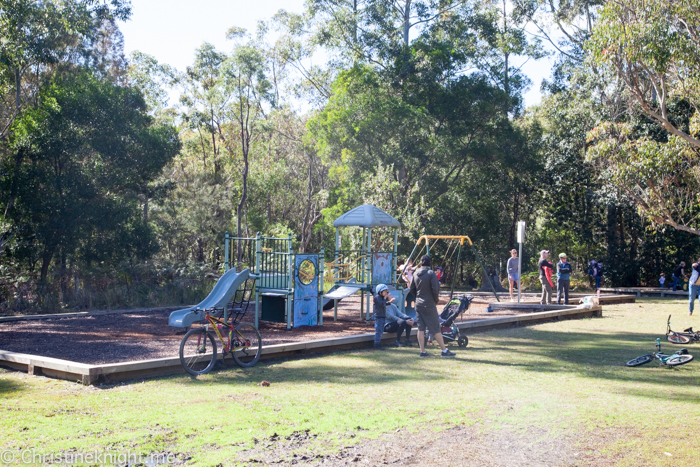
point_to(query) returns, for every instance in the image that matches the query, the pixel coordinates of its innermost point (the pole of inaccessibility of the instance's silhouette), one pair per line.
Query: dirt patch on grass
(457, 446)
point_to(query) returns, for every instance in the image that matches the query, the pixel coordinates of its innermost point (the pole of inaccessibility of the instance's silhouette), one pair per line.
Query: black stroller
(450, 332)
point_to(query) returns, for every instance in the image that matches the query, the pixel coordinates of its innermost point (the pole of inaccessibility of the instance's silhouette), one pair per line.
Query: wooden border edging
(82, 314)
(646, 291)
(89, 374)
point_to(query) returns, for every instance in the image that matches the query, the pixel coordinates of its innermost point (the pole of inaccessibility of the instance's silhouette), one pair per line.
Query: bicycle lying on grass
(198, 347)
(678, 358)
(681, 337)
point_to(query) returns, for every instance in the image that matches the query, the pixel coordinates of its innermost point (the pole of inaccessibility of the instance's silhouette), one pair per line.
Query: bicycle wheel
(640, 360)
(679, 360)
(198, 351)
(676, 338)
(247, 345)
(463, 341)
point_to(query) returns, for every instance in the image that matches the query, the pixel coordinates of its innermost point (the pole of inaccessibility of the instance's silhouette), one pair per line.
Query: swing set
(455, 244)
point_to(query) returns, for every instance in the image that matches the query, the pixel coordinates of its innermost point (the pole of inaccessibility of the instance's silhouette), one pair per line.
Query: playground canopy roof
(366, 216)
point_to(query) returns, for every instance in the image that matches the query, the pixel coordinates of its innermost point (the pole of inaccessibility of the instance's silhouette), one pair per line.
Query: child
(438, 273)
(662, 280)
(381, 300)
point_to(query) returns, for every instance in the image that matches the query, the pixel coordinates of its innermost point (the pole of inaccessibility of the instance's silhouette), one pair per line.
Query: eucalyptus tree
(245, 79)
(376, 31)
(155, 80)
(37, 36)
(225, 101)
(421, 116)
(651, 48)
(504, 47)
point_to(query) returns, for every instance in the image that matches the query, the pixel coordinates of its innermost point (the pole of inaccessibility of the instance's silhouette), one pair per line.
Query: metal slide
(336, 293)
(219, 296)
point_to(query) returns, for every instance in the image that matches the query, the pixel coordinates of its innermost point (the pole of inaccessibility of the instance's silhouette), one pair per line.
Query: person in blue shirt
(693, 287)
(399, 323)
(563, 279)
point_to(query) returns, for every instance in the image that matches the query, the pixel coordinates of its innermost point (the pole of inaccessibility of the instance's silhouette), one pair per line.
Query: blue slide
(219, 296)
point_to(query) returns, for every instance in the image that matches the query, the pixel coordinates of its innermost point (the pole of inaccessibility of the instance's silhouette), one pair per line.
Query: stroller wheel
(463, 341)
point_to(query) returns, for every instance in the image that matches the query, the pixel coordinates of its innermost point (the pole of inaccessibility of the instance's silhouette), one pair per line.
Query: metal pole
(520, 269)
(393, 264)
(226, 252)
(521, 240)
(290, 283)
(363, 250)
(337, 253)
(370, 279)
(454, 273)
(486, 276)
(258, 253)
(320, 288)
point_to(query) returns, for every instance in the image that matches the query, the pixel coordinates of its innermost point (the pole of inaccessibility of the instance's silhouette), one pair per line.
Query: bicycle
(680, 357)
(198, 347)
(684, 337)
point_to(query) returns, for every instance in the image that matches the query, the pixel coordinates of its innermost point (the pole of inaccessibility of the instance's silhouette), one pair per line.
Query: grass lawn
(550, 394)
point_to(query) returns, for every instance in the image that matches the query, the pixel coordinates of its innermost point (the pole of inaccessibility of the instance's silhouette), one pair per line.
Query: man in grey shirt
(426, 289)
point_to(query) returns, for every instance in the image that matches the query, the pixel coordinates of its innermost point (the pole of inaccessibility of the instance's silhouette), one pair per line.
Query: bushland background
(113, 195)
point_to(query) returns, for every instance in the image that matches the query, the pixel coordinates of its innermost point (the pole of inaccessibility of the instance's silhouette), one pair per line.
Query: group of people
(424, 288)
(679, 275)
(563, 268)
(546, 269)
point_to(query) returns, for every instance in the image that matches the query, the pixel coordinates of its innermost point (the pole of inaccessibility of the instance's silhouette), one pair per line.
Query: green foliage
(83, 158)
(653, 47)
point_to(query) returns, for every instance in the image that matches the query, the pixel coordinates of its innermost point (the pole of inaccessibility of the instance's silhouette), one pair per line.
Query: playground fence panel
(240, 253)
(350, 265)
(276, 259)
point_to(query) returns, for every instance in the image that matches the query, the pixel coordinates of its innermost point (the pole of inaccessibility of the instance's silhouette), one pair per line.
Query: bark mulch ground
(145, 334)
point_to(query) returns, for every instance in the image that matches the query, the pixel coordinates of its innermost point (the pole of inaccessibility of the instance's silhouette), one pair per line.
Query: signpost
(521, 240)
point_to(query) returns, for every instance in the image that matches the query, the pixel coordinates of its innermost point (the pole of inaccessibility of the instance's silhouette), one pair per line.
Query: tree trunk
(244, 193)
(406, 22)
(46, 258)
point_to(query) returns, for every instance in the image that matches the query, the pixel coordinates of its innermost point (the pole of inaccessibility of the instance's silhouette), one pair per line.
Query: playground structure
(288, 287)
(267, 269)
(264, 268)
(361, 270)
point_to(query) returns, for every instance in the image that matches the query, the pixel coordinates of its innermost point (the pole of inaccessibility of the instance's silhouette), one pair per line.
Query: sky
(171, 30)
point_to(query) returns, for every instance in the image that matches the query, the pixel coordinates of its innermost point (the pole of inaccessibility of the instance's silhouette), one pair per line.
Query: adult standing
(693, 287)
(679, 275)
(544, 279)
(563, 279)
(426, 289)
(512, 268)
